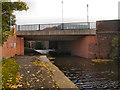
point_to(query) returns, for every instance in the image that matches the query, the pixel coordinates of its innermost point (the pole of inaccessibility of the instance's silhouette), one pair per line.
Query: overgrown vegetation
(9, 72)
(40, 63)
(115, 47)
(8, 18)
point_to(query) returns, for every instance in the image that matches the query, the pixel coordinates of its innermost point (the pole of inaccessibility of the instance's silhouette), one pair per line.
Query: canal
(86, 73)
(89, 73)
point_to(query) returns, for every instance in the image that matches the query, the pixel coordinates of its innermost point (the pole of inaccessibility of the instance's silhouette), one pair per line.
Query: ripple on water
(85, 74)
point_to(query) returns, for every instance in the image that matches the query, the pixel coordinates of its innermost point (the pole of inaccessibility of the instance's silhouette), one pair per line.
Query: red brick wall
(106, 31)
(8, 49)
(13, 46)
(20, 46)
(82, 46)
(99, 46)
(92, 47)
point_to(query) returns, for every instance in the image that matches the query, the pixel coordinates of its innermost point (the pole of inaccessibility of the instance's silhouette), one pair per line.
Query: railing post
(18, 27)
(62, 26)
(88, 25)
(39, 26)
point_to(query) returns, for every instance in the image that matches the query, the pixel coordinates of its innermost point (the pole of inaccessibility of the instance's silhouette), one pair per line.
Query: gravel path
(33, 76)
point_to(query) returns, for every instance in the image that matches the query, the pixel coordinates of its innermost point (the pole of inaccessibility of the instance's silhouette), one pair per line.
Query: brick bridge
(90, 40)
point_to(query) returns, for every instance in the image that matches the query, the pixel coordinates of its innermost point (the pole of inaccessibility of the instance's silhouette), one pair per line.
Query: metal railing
(58, 26)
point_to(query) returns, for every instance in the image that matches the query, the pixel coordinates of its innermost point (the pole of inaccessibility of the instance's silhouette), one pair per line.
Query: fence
(58, 26)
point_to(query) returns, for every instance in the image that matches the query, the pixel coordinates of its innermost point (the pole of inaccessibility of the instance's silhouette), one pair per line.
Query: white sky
(50, 11)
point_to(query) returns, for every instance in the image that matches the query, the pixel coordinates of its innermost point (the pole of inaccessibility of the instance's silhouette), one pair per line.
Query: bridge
(64, 37)
(85, 39)
(59, 31)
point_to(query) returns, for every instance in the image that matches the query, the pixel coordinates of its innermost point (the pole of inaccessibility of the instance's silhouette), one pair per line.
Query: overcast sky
(50, 11)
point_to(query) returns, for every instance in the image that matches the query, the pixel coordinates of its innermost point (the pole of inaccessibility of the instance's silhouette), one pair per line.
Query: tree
(8, 18)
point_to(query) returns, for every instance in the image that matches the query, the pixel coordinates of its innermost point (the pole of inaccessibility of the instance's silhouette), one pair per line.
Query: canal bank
(39, 72)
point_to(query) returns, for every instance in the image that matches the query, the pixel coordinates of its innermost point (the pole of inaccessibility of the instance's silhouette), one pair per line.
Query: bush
(115, 48)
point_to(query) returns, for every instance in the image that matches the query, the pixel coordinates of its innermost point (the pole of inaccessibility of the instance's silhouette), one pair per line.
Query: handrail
(58, 26)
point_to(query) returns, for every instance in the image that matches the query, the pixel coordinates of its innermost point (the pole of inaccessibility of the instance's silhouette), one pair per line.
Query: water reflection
(87, 74)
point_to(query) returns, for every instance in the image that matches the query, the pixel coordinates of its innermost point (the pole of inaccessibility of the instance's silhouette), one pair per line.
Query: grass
(40, 63)
(55, 83)
(9, 72)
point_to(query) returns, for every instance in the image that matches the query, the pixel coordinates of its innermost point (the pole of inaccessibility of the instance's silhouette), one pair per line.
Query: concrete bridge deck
(55, 34)
(56, 31)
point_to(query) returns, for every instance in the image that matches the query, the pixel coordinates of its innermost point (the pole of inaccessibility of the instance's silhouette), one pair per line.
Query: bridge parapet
(58, 26)
(58, 32)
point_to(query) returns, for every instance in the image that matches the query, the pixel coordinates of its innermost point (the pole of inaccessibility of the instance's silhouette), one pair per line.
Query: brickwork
(85, 47)
(106, 31)
(13, 46)
(92, 47)
(80, 47)
(99, 46)
(105, 45)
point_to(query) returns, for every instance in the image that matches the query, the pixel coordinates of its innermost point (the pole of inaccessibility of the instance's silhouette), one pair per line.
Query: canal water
(88, 74)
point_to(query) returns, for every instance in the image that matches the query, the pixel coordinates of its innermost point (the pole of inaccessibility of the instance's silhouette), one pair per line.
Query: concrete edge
(61, 80)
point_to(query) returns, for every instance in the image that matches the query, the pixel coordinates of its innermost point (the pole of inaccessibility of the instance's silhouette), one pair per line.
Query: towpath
(33, 76)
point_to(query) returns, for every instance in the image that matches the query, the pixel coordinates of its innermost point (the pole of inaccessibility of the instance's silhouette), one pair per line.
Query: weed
(55, 83)
(9, 72)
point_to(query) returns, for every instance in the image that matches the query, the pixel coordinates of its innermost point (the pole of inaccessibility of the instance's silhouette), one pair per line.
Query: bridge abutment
(85, 47)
